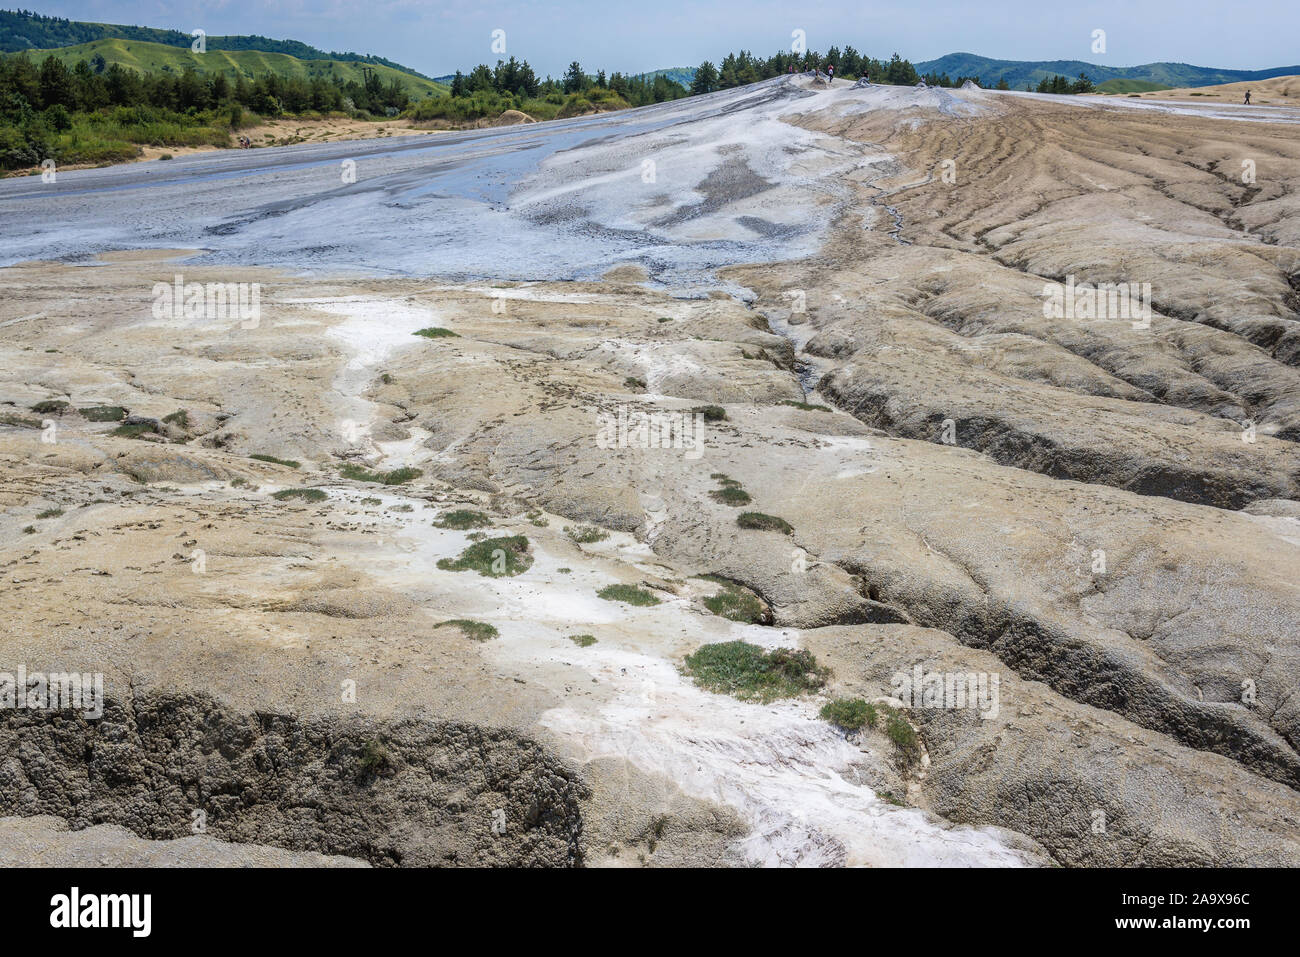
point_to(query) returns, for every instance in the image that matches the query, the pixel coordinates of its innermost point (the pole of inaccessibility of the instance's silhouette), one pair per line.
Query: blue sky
(437, 37)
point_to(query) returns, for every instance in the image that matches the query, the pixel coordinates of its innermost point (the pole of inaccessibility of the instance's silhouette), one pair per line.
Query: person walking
(1247, 103)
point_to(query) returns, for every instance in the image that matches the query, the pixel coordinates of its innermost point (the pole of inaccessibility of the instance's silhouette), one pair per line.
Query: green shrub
(806, 406)
(586, 534)
(748, 672)
(735, 604)
(903, 735)
(711, 413)
(583, 641)
(437, 332)
(463, 519)
(764, 523)
(731, 495)
(133, 431)
(632, 382)
(50, 407)
(306, 494)
(478, 630)
(103, 413)
(374, 758)
(50, 513)
(180, 418)
(630, 594)
(359, 473)
(493, 558)
(274, 461)
(850, 713)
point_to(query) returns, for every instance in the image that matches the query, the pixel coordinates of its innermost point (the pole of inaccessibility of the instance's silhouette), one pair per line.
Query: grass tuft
(437, 332)
(306, 494)
(274, 461)
(583, 641)
(359, 473)
(586, 534)
(103, 413)
(492, 558)
(748, 672)
(630, 594)
(850, 714)
(463, 519)
(478, 630)
(735, 604)
(764, 523)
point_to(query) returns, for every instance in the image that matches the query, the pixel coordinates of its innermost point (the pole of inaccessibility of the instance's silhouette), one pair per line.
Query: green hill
(148, 57)
(21, 30)
(1020, 72)
(677, 74)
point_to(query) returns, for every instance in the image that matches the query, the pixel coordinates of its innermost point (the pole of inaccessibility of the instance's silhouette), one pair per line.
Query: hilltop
(149, 57)
(21, 30)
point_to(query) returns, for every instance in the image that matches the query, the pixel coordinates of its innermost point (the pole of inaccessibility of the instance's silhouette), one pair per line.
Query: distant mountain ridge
(1020, 72)
(22, 30)
(1017, 73)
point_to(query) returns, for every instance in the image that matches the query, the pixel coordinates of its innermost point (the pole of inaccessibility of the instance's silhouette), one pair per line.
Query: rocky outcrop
(392, 793)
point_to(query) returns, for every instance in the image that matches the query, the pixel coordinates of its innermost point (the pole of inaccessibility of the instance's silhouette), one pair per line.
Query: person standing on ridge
(1247, 103)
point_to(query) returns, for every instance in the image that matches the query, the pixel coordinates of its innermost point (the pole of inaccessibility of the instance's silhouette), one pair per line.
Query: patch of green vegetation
(806, 406)
(386, 378)
(850, 714)
(306, 494)
(50, 513)
(631, 594)
(180, 418)
(359, 473)
(133, 431)
(493, 557)
(583, 641)
(463, 519)
(764, 523)
(437, 332)
(632, 382)
(19, 421)
(50, 407)
(290, 463)
(29, 530)
(903, 735)
(565, 571)
(478, 630)
(732, 495)
(401, 508)
(586, 534)
(665, 319)
(748, 672)
(374, 758)
(711, 413)
(238, 482)
(735, 604)
(103, 413)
